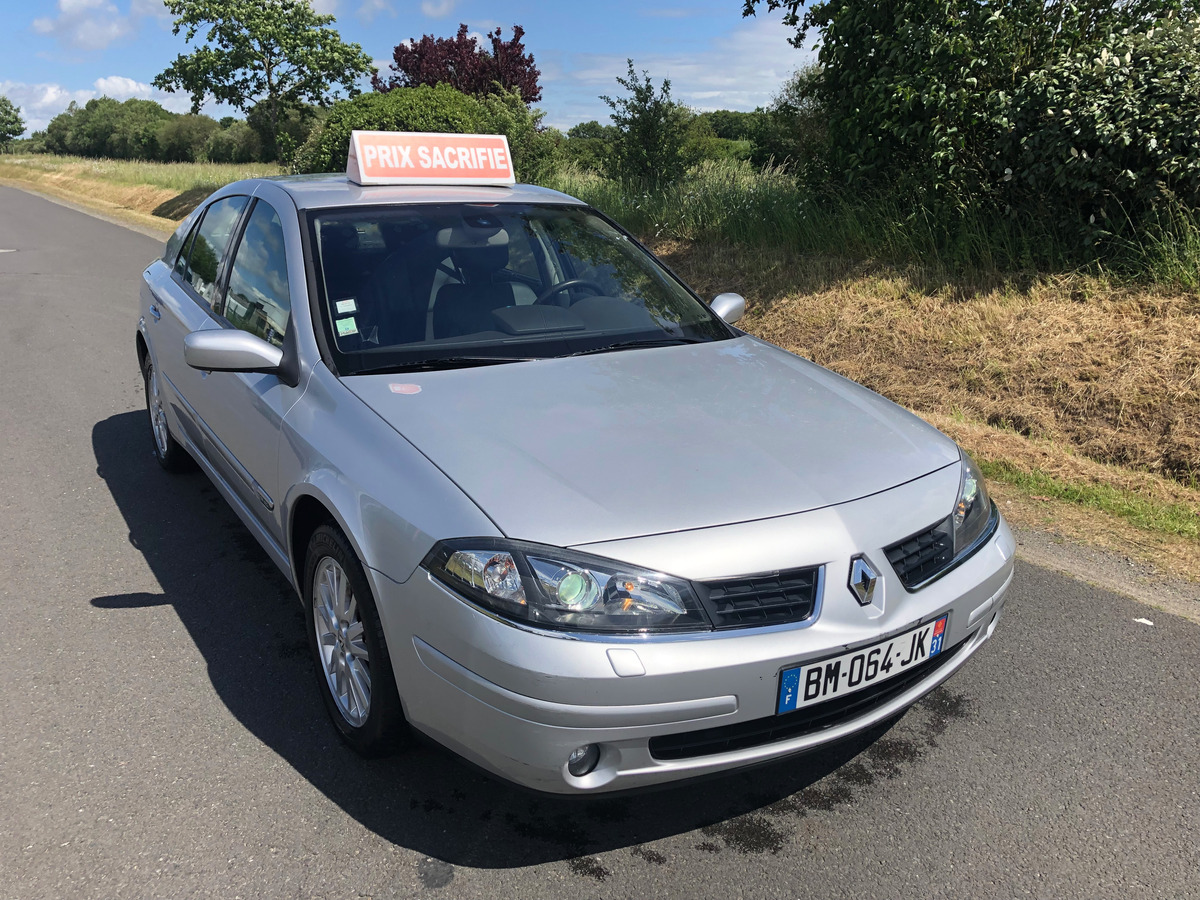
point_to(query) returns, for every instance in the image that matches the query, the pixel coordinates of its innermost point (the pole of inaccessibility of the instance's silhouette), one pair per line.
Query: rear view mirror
(230, 350)
(729, 307)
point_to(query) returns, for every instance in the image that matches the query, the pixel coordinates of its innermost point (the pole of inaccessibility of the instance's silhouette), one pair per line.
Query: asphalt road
(161, 733)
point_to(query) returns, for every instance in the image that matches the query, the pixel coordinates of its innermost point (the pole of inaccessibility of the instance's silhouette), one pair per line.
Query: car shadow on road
(244, 618)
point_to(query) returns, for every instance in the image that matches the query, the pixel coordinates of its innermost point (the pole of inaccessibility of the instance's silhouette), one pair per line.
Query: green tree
(279, 52)
(651, 129)
(235, 143)
(135, 130)
(11, 124)
(185, 138)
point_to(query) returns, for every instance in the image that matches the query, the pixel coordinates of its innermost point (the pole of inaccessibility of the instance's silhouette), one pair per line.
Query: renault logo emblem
(863, 580)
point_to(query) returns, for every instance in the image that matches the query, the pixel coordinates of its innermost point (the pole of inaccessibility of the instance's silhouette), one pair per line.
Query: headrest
(478, 234)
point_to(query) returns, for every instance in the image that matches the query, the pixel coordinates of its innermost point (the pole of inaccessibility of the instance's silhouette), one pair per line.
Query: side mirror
(230, 350)
(729, 307)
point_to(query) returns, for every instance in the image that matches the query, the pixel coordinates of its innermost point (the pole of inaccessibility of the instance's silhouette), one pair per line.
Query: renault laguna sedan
(541, 502)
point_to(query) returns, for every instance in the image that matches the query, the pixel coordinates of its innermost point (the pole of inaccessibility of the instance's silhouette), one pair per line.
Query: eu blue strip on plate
(789, 690)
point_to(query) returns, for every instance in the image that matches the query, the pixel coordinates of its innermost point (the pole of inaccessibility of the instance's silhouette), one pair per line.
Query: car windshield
(439, 286)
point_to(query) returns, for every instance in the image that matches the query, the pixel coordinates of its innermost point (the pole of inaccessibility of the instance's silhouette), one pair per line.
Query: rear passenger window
(258, 299)
(209, 245)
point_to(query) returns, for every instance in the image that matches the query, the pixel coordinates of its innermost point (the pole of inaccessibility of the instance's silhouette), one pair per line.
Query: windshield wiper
(443, 362)
(629, 345)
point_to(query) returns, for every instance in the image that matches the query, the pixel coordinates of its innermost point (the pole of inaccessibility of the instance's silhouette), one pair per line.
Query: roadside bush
(651, 129)
(439, 109)
(1104, 137)
(589, 146)
(536, 151)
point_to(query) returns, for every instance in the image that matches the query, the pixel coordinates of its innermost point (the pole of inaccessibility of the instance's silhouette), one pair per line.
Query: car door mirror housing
(729, 307)
(230, 350)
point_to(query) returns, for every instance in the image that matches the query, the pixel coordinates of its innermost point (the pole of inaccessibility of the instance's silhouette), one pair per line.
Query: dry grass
(1111, 372)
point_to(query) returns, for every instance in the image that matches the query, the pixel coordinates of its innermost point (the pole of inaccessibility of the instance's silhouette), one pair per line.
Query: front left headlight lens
(972, 512)
(556, 588)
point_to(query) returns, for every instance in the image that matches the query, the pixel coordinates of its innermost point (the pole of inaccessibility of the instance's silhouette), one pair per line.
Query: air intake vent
(778, 598)
(922, 556)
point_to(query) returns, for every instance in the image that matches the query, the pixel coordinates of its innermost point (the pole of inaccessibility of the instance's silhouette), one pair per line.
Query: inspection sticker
(346, 307)
(347, 327)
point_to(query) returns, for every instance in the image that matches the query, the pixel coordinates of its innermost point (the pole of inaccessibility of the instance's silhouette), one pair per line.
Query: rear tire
(354, 670)
(169, 453)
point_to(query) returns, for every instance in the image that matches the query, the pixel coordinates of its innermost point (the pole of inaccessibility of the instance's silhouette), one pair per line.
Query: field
(1078, 392)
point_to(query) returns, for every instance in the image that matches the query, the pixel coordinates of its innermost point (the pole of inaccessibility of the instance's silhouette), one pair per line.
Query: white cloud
(40, 103)
(741, 69)
(324, 7)
(87, 24)
(121, 88)
(155, 9)
(438, 9)
(371, 8)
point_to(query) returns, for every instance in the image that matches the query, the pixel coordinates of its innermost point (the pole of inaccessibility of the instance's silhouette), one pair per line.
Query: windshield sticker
(346, 307)
(405, 388)
(346, 327)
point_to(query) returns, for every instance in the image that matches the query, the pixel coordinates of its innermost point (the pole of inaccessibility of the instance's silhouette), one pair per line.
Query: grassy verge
(1141, 511)
(152, 195)
(731, 203)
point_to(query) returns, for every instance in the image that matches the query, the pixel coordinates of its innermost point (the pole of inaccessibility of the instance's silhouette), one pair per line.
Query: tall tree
(279, 52)
(461, 63)
(651, 128)
(11, 124)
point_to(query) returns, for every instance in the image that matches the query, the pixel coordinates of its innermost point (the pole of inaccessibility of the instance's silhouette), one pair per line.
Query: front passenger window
(209, 245)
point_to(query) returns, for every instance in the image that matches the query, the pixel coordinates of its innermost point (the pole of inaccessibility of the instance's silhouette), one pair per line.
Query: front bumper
(517, 701)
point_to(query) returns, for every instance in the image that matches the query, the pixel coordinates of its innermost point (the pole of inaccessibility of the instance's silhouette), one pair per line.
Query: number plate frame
(796, 688)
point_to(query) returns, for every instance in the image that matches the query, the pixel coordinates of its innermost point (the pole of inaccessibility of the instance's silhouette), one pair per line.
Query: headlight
(557, 588)
(972, 510)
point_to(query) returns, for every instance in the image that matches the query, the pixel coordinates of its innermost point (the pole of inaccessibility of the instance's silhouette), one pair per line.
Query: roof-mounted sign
(405, 157)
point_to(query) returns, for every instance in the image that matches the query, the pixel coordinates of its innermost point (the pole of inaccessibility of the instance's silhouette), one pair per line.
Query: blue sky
(56, 51)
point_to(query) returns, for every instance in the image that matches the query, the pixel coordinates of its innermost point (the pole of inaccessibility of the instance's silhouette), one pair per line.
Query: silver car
(542, 503)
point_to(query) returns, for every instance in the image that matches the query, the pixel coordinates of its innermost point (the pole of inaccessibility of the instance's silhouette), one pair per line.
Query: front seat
(479, 253)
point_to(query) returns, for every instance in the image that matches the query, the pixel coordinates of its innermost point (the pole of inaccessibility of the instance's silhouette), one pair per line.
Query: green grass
(1150, 515)
(179, 177)
(731, 202)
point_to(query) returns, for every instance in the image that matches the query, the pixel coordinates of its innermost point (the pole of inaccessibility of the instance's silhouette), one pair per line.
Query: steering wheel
(569, 283)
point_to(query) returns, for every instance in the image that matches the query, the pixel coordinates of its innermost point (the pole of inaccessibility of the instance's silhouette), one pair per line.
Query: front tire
(170, 455)
(345, 635)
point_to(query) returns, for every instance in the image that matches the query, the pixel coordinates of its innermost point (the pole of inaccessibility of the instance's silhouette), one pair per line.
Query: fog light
(583, 759)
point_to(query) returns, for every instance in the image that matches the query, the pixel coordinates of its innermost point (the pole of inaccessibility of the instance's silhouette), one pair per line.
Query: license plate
(826, 679)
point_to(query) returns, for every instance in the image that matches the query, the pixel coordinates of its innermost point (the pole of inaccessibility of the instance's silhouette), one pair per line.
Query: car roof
(323, 191)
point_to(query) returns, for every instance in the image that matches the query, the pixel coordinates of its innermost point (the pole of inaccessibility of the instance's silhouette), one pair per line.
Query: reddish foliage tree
(464, 65)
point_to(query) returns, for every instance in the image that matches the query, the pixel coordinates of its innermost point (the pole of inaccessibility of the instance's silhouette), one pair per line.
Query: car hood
(631, 443)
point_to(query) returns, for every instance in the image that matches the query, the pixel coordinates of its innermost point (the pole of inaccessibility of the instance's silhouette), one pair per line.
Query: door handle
(154, 311)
